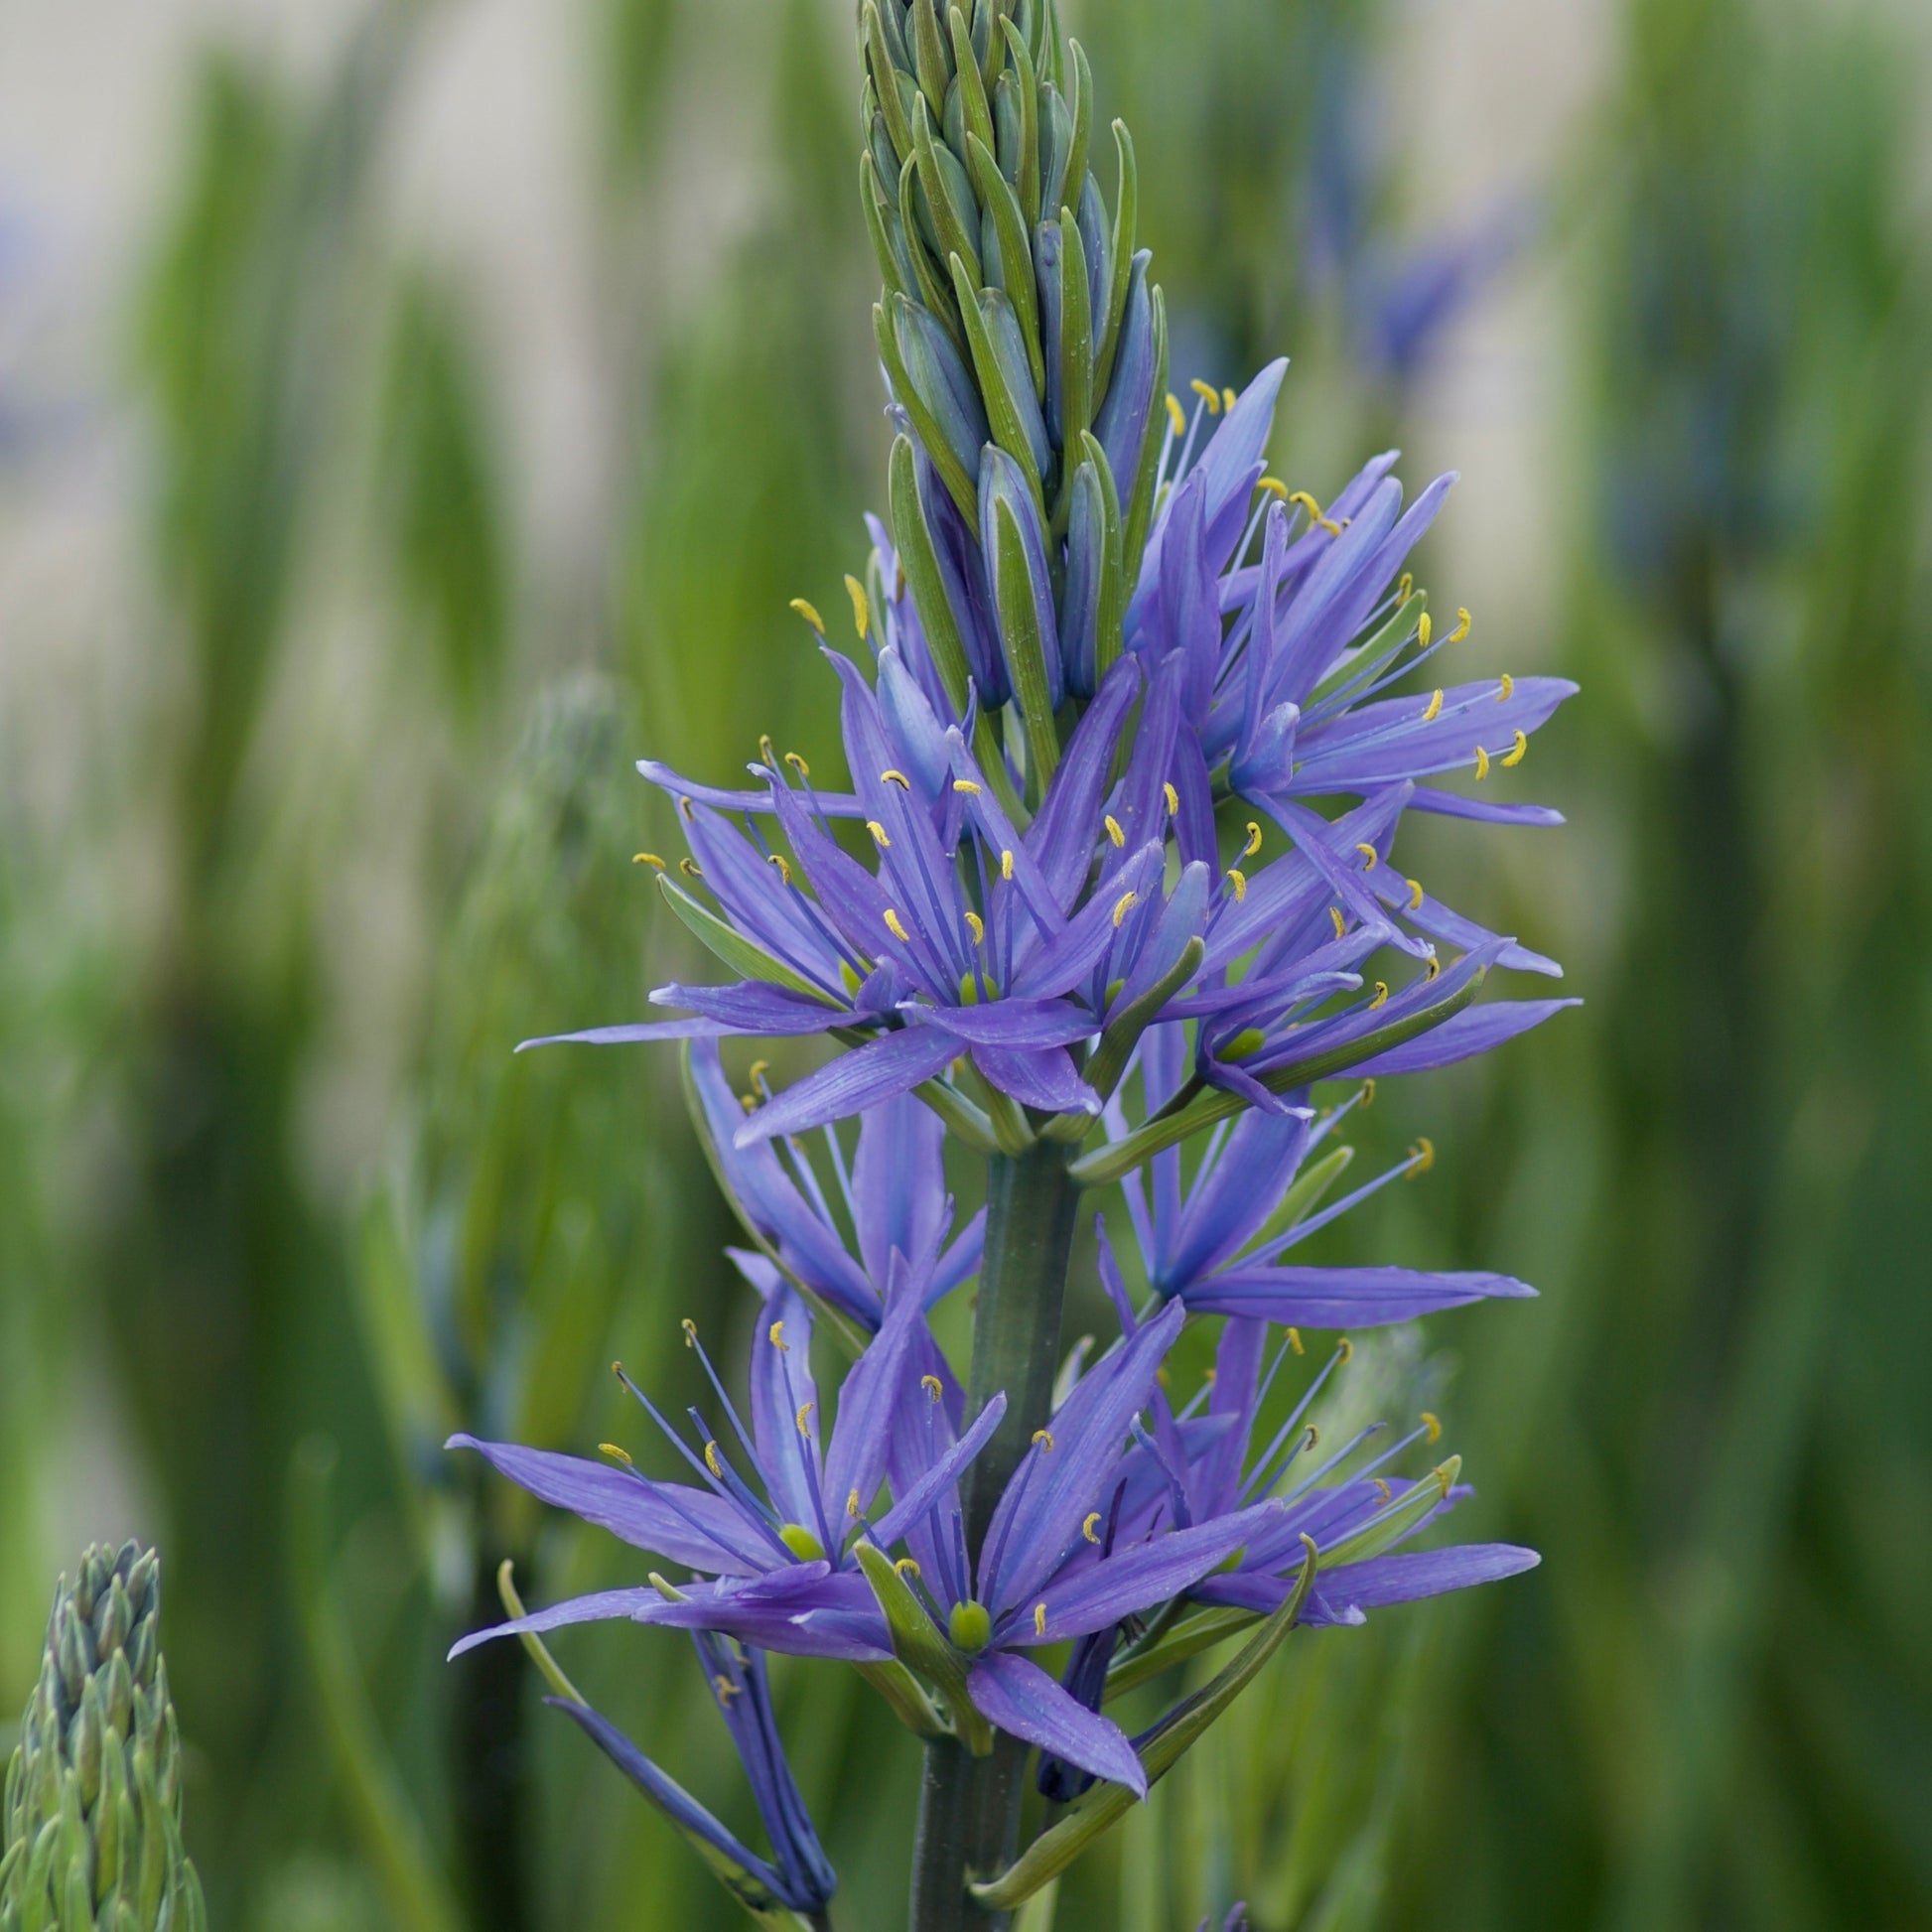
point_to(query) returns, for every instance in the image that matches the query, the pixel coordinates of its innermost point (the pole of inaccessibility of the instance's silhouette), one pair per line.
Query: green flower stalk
(93, 1813)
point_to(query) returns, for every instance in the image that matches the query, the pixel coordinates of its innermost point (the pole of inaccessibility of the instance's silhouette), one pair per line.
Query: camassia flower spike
(1112, 883)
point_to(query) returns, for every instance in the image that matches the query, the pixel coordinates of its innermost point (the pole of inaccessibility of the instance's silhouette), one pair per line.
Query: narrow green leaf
(1112, 616)
(918, 557)
(1076, 349)
(907, 1697)
(1091, 1816)
(1141, 508)
(1186, 1640)
(955, 215)
(1074, 181)
(885, 81)
(741, 954)
(919, 1646)
(1117, 1043)
(1025, 651)
(1126, 211)
(929, 55)
(888, 233)
(996, 391)
(973, 106)
(958, 485)
(1028, 87)
(1016, 255)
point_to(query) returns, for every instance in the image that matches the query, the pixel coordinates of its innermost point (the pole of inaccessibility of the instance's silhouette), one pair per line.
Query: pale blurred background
(411, 413)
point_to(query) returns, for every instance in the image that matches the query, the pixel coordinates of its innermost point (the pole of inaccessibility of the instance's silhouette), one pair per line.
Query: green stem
(969, 1807)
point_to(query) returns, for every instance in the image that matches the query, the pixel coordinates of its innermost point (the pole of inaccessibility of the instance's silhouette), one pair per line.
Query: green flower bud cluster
(1022, 339)
(91, 1830)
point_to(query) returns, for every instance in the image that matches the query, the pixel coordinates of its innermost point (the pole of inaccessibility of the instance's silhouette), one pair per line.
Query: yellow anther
(1435, 1428)
(1313, 510)
(893, 927)
(907, 1567)
(977, 927)
(1482, 764)
(690, 1328)
(1368, 1089)
(799, 765)
(1043, 1439)
(649, 859)
(1433, 967)
(1272, 487)
(1341, 924)
(1515, 755)
(1253, 844)
(1086, 1528)
(690, 868)
(1039, 1620)
(932, 1384)
(749, 1101)
(1162, 1376)
(1388, 1494)
(1228, 398)
(1124, 904)
(1421, 1156)
(1005, 865)
(1238, 882)
(759, 1070)
(617, 1454)
(1177, 416)
(1381, 993)
(710, 1462)
(860, 606)
(1505, 688)
(780, 860)
(1423, 629)
(805, 1421)
(1345, 1350)
(1208, 1376)
(1369, 855)
(852, 1503)
(1403, 588)
(724, 1688)
(1113, 830)
(1294, 1342)
(776, 1335)
(1415, 893)
(1442, 1480)
(809, 614)
(1172, 797)
(1208, 394)
(1313, 1437)
(1461, 629)
(893, 776)
(966, 786)
(1434, 708)
(878, 831)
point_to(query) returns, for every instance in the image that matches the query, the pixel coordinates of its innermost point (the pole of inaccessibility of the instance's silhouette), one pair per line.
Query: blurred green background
(411, 413)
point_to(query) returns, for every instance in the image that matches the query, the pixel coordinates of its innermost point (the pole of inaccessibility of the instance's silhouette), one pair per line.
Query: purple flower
(893, 1199)
(1215, 1243)
(769, 1504)
(798, 1875)
(1357, 1515)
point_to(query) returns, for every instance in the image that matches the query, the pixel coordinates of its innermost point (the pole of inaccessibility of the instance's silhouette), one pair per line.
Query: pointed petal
(869, 1074)
(1474, 1031)
(1022, 1701)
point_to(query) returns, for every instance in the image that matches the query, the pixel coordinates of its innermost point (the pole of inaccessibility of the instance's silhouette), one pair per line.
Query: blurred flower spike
(91, 1830)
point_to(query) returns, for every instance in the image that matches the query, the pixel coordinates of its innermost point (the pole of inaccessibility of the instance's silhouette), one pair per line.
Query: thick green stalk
(969, 1807)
